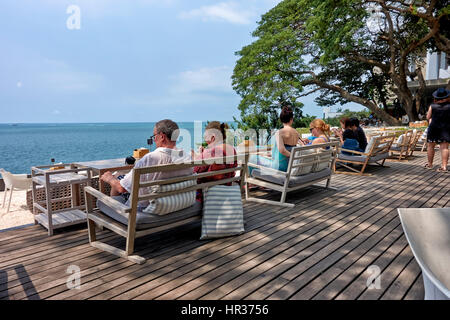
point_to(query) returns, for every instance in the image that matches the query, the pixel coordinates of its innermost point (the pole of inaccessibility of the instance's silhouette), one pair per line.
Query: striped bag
(223, 214)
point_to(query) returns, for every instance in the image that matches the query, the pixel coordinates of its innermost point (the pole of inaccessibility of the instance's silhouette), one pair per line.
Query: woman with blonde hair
(320, 130)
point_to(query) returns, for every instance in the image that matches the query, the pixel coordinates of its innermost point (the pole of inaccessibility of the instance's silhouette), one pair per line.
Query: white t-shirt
(159, 156)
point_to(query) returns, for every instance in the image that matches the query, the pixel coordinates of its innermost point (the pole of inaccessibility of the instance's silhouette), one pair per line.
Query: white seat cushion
(298, 171)
(370, 144)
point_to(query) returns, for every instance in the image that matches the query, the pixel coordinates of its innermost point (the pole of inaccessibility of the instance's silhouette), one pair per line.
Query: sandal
(427, 166)
(441, 170)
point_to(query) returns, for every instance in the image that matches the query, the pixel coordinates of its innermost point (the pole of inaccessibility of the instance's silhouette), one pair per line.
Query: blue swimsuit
(278, 160)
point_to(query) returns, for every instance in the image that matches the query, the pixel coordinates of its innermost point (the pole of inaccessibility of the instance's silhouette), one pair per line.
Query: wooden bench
(124, 218)
(307, 166)
(377, 152)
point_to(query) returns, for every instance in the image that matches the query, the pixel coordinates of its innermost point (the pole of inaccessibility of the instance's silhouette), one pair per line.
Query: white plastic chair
(14, 182)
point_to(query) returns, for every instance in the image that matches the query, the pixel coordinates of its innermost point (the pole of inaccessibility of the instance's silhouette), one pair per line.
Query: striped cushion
(322, 157)
(298, 171)
(223, 214)
(174, 186)
(176, 202)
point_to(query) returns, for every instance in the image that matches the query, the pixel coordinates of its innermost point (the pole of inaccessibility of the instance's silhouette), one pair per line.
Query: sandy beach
(18, 214)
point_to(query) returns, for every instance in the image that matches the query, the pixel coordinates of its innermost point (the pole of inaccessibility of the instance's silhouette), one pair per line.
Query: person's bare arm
(340, 135)
(116, 187)
(429, 114)
(300, 140)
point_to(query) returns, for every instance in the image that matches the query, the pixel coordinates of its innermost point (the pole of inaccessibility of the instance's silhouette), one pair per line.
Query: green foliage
(302, 130)
(329, 47)
(303, 122)
(334, 122)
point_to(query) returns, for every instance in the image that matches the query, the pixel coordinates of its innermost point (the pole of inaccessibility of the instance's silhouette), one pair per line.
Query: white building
(436, 73)
(437, 66)
(327, 113)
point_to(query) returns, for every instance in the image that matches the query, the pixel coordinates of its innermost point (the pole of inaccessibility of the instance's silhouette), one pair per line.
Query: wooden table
(99, 167)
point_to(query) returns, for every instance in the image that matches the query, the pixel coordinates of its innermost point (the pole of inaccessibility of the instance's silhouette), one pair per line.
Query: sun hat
(441, 93)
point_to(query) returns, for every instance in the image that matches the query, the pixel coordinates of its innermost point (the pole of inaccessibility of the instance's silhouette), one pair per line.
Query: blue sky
(130, 61)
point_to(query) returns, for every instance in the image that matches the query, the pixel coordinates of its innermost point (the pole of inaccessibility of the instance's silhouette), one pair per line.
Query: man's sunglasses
(311, 129)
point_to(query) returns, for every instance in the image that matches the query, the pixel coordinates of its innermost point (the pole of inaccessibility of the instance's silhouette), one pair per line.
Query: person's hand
(107, 177)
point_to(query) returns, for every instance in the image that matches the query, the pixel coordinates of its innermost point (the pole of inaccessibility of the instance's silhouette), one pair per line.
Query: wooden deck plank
(320, 249)
(398, 289)
(93, 284)
(209, 286)
(271, 284)
(417, 291)
(388, 275)
(276, 217)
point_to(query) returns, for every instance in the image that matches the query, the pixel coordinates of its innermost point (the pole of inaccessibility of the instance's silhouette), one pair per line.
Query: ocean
(25, 145)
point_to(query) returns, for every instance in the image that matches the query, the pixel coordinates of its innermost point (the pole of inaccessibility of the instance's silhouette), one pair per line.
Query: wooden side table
(48, 178)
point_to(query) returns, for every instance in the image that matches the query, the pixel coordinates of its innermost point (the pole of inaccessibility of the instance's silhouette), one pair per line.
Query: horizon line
(102, 122)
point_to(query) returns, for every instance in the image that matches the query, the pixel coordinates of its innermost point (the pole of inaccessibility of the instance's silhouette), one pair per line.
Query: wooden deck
(320, 249)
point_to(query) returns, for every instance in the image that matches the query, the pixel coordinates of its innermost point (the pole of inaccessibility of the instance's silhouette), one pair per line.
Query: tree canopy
(347, 50)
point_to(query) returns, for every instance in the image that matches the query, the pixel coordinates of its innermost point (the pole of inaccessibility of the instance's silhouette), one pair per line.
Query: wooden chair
(307, 166)
(428, 233)
(377, 152)
(422, 142)
(128, 222)
(400, 151)
(417, 134)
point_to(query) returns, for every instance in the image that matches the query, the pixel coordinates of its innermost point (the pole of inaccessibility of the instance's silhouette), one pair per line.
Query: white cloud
(56, 112)
(225, 11)
(204, 85)
(215, 79)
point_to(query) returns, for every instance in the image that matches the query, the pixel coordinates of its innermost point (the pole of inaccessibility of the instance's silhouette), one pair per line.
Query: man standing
(165, 134)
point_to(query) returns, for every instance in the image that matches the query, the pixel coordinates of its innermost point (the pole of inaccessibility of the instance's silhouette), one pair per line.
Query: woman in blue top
(283, 141)
(348, 137)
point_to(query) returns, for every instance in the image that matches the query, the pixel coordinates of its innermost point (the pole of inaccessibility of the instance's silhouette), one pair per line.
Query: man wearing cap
(439, 128)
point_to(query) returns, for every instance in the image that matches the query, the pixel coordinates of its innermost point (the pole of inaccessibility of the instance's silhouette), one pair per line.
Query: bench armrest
(356, 152)
(275, 171)
(117, 206)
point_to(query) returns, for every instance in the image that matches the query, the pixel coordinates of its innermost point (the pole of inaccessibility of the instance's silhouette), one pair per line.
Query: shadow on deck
(329, 246)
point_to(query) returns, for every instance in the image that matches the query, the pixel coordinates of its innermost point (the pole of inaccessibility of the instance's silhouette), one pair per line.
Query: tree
(348, 50)
(334, 122)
